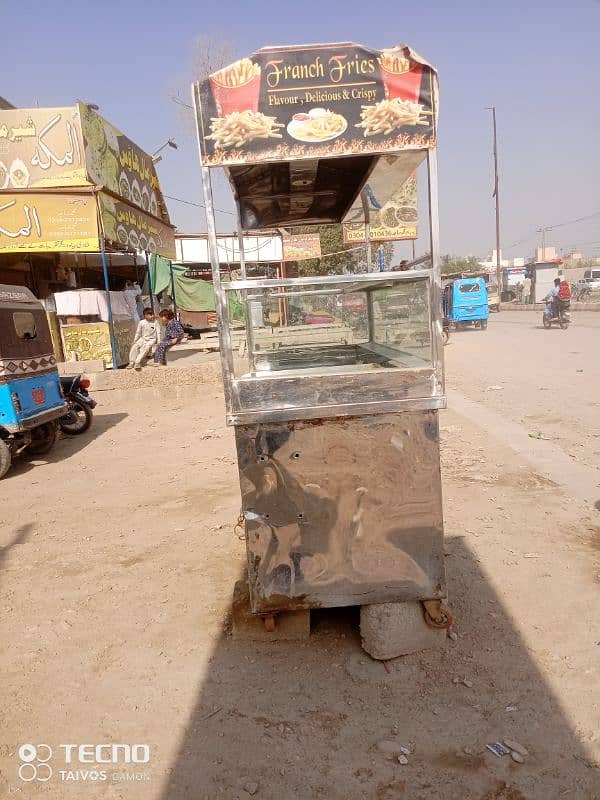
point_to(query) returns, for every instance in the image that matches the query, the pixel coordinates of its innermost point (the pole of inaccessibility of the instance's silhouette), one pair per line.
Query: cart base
(285, 626)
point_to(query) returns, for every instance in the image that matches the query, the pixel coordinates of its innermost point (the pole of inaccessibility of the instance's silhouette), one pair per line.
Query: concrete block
(80, 367)
(289, 625)
(389, 630)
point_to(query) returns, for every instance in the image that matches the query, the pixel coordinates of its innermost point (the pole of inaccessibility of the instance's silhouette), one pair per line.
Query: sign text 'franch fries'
(316, 101)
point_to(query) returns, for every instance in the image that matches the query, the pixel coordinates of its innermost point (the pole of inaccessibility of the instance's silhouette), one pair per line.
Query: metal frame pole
(242, 252)
(150, 288)
(231, 399)
(111, 325)
(173, 288)
(436, 266)
(496, 195)
(367, 212)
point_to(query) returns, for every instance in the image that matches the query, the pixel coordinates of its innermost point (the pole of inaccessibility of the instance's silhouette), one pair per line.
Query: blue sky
(538, 62)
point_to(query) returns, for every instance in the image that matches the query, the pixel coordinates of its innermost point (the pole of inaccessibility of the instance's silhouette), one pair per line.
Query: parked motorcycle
(560, 315)
(79, 404)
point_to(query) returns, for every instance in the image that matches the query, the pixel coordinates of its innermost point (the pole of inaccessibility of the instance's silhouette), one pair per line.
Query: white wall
(256, 248)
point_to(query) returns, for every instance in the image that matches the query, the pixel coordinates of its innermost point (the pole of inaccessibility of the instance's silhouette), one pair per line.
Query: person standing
(527, 290)
(174, 334)
(147, 335)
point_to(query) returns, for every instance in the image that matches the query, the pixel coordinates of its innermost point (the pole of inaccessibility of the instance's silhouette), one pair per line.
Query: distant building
(5, 105)
(489, 263)
(547, 253)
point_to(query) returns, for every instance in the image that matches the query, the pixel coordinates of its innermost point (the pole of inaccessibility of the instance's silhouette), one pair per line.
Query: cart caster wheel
(270, 623)
(437, 615)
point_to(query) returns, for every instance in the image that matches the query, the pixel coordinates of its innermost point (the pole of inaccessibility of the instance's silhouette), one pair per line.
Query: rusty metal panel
(344, 511)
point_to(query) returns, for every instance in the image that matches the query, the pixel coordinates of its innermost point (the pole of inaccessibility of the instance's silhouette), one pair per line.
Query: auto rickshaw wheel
(5, 458)
(43, 439)
(483, 324)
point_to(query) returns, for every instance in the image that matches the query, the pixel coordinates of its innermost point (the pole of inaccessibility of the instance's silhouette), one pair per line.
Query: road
(117, 562)
(546, 381)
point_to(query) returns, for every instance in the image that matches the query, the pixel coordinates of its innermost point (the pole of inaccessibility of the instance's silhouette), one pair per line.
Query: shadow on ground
(66, 446)
(20, 537)
(301, 721)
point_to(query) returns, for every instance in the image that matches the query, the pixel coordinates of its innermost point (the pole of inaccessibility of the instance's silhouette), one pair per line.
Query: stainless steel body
(342, 512)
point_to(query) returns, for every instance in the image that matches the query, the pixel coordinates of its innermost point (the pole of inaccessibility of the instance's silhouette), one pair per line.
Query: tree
(210, 53)
(451, 264)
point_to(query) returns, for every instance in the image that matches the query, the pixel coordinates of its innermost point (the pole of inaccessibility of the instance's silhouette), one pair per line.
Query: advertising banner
(301, 246)
(129, 227)
(41, 147)
(394, 220)
(116, 163)
(316, 101)
(46, 222)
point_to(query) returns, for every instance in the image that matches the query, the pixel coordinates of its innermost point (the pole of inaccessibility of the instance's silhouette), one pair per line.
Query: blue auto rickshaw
(465, 303)
(31, 400)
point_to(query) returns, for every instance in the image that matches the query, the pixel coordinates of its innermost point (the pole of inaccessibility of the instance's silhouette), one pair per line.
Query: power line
(572, 221)
(198, 205)
(551, 227)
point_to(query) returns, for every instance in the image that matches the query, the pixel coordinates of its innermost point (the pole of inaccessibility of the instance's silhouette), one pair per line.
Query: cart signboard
(40, 148)
(354, 232)
(48, 222)
(301, 246)
(396, 219)
(128, 227)
(316, 101)
(117, 164)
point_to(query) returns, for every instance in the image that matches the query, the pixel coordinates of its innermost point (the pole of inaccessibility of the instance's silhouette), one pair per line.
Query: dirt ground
(117, 563)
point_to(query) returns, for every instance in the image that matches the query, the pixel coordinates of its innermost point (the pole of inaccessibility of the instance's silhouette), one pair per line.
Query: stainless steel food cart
(336, 425)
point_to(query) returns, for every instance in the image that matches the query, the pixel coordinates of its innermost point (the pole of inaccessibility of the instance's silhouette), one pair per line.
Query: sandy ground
(117, 565)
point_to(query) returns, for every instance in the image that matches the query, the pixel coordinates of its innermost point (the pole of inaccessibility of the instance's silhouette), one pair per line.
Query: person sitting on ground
(174, 334)
(551, 300)
(146, 337)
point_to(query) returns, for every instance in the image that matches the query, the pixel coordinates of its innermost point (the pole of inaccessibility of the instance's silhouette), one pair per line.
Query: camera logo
(35, 766)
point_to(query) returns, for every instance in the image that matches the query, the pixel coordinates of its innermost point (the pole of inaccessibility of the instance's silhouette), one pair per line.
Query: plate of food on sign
(316, 125)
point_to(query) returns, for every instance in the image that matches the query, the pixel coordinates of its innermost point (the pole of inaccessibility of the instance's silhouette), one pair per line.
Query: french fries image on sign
(387, 115)
(393, 61)
(241, 127)
(237, 74)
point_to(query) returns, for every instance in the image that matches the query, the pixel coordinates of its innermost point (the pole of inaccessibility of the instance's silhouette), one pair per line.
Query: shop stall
(80, 208)
(337, 440)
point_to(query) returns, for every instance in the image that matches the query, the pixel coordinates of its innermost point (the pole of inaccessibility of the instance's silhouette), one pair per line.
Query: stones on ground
(453, 636)
(392, 748)
(518, 748)
(402, 760)
(389, 630)
(251, 787)
(517, 757)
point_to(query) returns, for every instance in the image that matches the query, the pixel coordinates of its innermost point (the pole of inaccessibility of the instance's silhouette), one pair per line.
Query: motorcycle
(79, 405)
(560, 315)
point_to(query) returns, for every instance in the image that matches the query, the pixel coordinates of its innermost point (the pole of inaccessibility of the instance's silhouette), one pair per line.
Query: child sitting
(146, 337)
(174, 334)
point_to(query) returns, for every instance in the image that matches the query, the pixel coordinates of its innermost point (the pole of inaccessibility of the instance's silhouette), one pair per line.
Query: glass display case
(354, 340)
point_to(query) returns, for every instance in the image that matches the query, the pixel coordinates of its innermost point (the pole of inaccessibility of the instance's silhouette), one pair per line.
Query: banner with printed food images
(114, 162)
(316, 101)
(396, 219)
(41, 147)
(300, 246)
(129, 227)
(48, 222)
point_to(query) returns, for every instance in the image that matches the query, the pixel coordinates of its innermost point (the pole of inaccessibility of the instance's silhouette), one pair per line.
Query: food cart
(337, 438)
